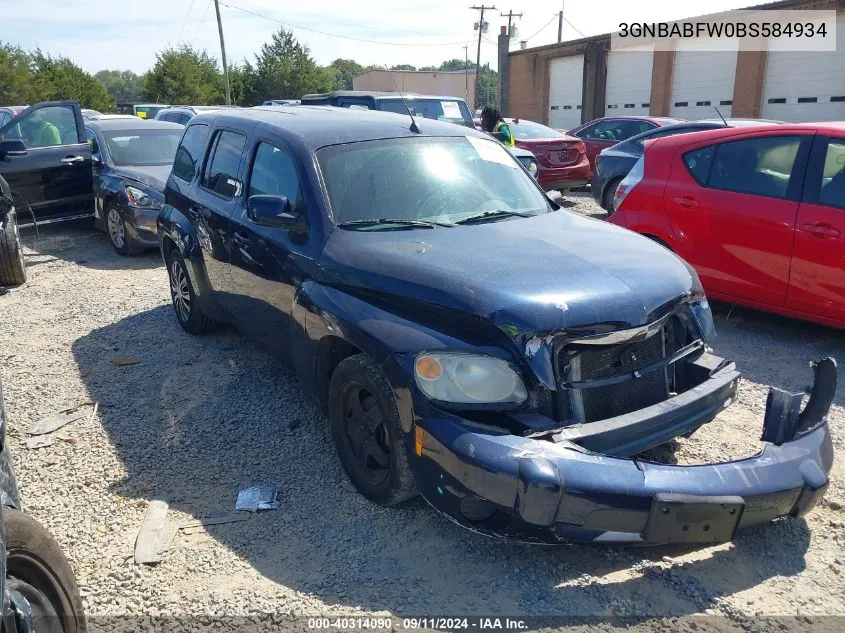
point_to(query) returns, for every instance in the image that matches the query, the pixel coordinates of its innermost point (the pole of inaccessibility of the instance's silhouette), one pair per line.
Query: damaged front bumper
(551, 491)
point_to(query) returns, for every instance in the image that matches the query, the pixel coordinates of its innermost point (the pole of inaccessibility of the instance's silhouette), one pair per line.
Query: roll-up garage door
(703, 80)
(806, 86)
(566, 79)
(629, 82)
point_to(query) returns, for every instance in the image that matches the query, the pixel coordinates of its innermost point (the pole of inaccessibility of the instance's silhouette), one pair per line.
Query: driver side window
(273, 173)
(92, 141)
(50, 126)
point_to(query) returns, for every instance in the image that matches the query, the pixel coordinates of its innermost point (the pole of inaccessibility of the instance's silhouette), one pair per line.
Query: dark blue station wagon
(468, 340)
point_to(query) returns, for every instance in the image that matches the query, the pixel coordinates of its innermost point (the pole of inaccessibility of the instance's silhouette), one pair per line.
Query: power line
(542, 28)
(205, 13)
(185, 23)
(574, 27)
(343, 37)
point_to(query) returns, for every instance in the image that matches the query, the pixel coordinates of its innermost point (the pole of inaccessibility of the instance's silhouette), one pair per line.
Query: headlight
(467, 378)
(141, 199)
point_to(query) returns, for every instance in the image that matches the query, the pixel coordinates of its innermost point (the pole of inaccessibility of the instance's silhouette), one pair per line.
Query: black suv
(470, 341)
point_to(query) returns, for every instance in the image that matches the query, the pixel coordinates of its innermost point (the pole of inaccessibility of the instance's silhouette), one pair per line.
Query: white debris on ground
(199, 418)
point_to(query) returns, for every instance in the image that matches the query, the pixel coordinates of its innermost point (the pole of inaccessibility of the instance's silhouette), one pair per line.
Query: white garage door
(703, 80)
(628, 82)
(566, 79)
(806, 86)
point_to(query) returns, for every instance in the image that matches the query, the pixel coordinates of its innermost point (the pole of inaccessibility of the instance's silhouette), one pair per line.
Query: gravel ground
(201, 417)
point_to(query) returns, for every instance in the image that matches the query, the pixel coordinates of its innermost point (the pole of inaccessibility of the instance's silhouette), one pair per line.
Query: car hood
(154, 176)
(531, 278)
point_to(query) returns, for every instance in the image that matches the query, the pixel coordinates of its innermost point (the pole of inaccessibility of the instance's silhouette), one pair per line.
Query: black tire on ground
(610, 195)
(359, 377)
(118, 235)
(38, 569)
(12, 266)
(185, 304)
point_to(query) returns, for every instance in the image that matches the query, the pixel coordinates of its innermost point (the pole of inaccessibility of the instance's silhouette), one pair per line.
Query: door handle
(687, 202)
(72, 160)
(821, 230)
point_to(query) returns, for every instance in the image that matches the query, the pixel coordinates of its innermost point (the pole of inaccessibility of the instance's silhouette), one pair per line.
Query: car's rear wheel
(610, 196)
(12, 265)
(188, 311)
(38, 571)
(119, 237)
(367, 433)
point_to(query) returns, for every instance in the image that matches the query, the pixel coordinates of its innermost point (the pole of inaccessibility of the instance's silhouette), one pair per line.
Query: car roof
(716, 135)
(318, 126)
(378, 94)
(128, 124)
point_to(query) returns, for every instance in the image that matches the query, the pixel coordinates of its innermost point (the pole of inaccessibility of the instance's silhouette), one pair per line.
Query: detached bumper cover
(539, 490)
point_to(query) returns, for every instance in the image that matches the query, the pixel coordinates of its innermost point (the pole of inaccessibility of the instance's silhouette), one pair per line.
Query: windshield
(449, 110)
(525, 130)
(439, 180)
(142, 147)
(148, 112)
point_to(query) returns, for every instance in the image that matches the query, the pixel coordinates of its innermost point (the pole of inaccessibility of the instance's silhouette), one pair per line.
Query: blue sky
(122, 34)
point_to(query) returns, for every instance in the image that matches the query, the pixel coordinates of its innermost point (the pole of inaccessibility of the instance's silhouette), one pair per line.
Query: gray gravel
(201, 417)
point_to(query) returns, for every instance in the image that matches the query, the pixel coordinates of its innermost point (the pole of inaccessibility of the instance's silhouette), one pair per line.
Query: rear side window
(189, 152)
(832, 193)
(759, 166)
(698, 163)
(221, 169)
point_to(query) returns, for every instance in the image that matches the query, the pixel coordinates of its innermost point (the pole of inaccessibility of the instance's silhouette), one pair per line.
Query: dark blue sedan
(614, 163)
(468, 340)
(131, 162)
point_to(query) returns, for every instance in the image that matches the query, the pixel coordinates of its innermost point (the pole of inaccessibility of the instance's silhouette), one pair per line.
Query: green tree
(56, 78)
(15, 75)
(123, 85)
(284, 69)
(403, 67)
(455, 64)
(429, 68)
(183, 75)
(344, 71)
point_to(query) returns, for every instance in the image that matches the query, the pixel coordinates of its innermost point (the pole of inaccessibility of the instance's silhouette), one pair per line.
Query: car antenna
(720, 116)
(414, 127)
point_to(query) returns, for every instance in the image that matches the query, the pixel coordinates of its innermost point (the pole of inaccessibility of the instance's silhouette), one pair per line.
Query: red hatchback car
(610, 130)
(759, 212)
(562, 159)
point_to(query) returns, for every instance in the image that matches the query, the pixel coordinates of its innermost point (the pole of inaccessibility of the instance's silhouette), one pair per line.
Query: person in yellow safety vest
(493, 123)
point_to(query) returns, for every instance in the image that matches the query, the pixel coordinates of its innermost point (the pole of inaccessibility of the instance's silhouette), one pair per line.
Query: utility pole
(481, 8)
(466, 72)
(510, 15)
(560, 24)
(223, 51)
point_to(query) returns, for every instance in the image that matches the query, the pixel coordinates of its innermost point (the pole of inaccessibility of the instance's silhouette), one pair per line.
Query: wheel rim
(611, 204)
(365, 434)
(39, 589)
(116, 231)
(179, 290)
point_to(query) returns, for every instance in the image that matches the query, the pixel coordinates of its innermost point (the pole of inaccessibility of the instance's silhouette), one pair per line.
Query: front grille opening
(578, 363)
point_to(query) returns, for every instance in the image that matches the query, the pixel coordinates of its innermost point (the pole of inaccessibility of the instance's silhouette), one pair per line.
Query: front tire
(367, 433)
(118, 235)
(39, 571)
(188, 311)
(12, 265)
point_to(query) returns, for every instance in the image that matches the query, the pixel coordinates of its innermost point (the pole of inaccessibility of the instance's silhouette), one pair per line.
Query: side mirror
(12, 147)
(273, 211)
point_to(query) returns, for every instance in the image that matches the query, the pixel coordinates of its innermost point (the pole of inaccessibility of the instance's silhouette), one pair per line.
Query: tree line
(282, 69)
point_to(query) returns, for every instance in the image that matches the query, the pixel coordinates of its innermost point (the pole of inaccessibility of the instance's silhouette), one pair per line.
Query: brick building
(571, 82)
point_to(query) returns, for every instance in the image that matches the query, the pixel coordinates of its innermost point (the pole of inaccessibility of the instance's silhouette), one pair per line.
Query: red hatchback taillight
(629, 182)
(580, 147)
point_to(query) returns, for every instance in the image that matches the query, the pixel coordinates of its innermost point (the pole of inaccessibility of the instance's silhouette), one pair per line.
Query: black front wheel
(188, 311)
(367, 433)
(610, 196)
(12, 265)
(39, 577)
(119, 237)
